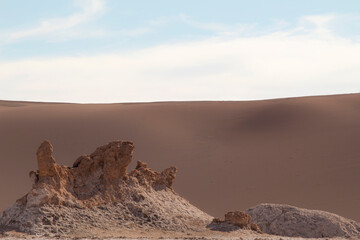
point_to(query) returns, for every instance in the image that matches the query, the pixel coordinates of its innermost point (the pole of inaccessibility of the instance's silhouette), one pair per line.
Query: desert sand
(230, 155)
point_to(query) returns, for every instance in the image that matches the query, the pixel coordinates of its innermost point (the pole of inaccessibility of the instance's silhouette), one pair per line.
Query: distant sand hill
(230, 155)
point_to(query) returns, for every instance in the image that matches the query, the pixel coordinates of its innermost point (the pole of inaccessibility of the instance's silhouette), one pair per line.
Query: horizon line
(177, 101)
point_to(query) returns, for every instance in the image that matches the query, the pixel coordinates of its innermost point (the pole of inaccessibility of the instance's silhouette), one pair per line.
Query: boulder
(234, 221)
(240, 219)
(292, 221)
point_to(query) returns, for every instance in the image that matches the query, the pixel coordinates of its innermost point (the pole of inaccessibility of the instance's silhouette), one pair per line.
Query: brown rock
(153, 179)
(46, 162)
(167, 176)
(93, 179)
(240, 219)
(216, 220)
(233, 221)
(255, 227)
(113, 158)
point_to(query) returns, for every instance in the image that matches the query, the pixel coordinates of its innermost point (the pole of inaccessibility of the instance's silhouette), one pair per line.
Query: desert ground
(230, 155)
(245, 235)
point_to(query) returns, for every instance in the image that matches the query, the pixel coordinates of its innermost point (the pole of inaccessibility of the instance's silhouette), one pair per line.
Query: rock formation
(97, 192)
(292, 221)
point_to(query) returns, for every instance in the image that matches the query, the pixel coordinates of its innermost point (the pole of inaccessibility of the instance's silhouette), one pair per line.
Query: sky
(104, 51)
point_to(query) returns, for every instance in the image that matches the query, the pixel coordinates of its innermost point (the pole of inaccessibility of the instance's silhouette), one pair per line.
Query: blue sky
(139, 50)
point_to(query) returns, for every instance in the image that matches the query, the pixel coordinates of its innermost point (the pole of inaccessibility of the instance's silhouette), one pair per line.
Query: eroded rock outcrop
(98, 192)
(93, 179)
(150, 178)
(292, 221)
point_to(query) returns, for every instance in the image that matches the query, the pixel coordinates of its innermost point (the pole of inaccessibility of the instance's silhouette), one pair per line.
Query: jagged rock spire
(46, 162)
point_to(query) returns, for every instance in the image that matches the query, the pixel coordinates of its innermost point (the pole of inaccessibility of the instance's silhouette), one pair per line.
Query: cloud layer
(307, 59)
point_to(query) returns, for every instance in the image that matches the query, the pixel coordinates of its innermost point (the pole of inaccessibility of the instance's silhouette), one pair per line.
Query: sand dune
(230, 155)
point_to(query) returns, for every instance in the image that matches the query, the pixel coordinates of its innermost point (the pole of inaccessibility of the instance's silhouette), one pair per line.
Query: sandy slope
(230, 155)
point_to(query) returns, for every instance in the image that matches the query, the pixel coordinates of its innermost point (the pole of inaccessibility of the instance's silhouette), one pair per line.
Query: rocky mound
(97, 193)
(292, 221)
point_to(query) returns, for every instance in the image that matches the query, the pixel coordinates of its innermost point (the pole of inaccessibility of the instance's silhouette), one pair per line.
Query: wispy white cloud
(89, 9)
(214, 27)
(135, 32)
(296, 62)
(217, 27)
(311, 24)
(318, 24)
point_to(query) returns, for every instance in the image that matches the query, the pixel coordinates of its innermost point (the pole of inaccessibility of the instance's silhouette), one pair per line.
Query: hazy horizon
(165, 101)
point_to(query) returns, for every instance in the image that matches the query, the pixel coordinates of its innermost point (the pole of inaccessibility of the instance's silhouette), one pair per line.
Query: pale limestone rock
(292, 221)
